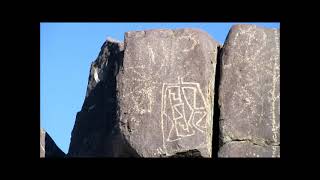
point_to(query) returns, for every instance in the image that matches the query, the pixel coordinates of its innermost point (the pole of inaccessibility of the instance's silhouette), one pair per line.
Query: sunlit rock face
(249, 93)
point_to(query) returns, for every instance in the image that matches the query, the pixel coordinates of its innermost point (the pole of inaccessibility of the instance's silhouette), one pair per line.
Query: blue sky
(66, 52)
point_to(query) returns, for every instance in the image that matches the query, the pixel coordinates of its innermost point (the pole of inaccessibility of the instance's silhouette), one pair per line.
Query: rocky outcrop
(249, 93)
(48, 147)
(151, 98)
(96, 130)
(164, 93)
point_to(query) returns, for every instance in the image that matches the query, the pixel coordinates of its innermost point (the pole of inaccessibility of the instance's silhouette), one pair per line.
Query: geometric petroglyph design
(183, 110)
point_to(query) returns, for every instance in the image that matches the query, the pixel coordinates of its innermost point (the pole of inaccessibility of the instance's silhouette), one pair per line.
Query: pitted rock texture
(249, 93)
(248, 149)
(149, 97)
(48, 148)
(166, 91)
(153, 96)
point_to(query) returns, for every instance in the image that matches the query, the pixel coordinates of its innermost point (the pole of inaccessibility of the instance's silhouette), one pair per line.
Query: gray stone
(48, 147)
(249, 93)
(149, 97)
(243, 149)
(166, 92)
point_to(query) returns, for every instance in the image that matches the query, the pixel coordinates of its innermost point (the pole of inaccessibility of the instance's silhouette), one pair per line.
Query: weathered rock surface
(96, 130)
(151, 98)
(48, 147)
(249, 93)
(247, 149)
(166, 91)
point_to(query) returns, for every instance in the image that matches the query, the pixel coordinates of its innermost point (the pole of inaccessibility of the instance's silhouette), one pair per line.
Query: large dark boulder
(149, 97)
(249, 93)
(166, 91)
(96, 130)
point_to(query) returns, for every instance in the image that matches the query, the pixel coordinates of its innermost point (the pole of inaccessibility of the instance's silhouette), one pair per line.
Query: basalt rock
(149, 97)
(153, 96)
(96, 130)
(166, 92)
(249, 93)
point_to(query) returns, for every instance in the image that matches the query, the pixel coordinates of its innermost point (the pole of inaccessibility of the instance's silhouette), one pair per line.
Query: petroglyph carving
(183, 108)
(191, 38)
(249, 92)
(160, 151)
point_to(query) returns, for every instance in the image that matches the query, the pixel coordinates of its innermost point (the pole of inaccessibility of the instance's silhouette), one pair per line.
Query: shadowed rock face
(48, 147)
(165, 91)
(151, 98)
(96, 130)
(249, 93)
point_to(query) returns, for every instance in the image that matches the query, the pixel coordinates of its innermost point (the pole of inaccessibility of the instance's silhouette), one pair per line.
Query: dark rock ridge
(249, 93)
(48, 147)
(166, 93)
(96, 130)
